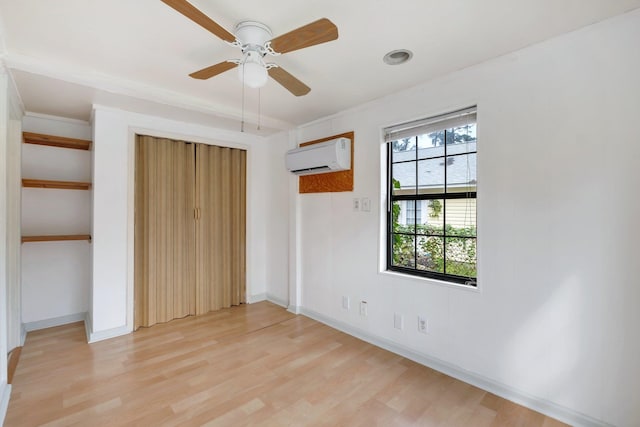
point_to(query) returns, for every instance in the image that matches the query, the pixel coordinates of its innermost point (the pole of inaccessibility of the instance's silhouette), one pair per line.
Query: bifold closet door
(164, 230)
(220, 227)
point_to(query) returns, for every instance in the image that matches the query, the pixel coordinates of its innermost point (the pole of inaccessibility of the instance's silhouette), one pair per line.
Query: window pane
(430, 254)
(403, 250)
(461, 139)
(404, 149)
(461, 173)
(435, 215)
(404, 178)
(437, 138)
(431, 176)
(410, 217)
(461, 217)
(397, 216)
(461, 148)
(430, 145)
(461, 256)
(404, 216)
(432, 217)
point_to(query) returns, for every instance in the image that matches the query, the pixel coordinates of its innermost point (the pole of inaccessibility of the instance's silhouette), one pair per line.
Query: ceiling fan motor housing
(252, 36)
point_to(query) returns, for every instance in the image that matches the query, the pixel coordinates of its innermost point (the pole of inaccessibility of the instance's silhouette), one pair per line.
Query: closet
(55, 223)
(190, 222)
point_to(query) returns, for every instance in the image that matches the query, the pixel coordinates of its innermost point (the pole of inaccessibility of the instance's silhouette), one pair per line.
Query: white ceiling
(66, 55)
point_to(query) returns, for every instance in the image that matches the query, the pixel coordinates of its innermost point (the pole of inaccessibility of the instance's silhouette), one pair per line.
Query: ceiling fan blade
(289, 82)
(191, 12)
(320, 31)
(214, 70)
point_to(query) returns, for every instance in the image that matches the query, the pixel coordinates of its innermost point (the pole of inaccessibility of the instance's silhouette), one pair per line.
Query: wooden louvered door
(220, 227)
(190, 215)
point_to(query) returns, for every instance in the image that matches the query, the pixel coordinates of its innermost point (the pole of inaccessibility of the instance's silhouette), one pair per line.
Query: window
(431, 216)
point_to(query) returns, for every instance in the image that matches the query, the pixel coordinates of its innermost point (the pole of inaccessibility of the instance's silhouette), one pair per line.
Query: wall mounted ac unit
(328, 156)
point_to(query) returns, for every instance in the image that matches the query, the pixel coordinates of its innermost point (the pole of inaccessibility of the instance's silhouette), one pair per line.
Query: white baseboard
(103, 335)
(543, 406)
(56, 321)
(278, 301)
(106, 334)
(295, 309)
(252, 299)
(5, 392)
(23, 336)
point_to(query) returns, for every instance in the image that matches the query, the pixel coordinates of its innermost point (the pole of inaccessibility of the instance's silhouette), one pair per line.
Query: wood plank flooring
(250, 365)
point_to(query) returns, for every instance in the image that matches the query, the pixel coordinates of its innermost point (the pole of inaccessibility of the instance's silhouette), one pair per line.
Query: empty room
(327, 213)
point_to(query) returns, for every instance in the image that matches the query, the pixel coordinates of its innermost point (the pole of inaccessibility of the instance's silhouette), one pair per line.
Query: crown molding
(134, 89)
(56, 118)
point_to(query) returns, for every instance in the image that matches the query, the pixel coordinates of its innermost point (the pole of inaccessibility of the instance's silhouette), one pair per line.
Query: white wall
(553, 323)
(55, 275)
(10, 113)
(278, 217)
(14, 184)
(112, 229)
(5, 389)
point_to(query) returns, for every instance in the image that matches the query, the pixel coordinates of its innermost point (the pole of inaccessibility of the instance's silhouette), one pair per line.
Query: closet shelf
(55, 141)
(65, 185)
(56, 238)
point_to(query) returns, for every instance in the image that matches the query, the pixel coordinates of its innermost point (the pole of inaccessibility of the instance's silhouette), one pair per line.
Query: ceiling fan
(255, 41)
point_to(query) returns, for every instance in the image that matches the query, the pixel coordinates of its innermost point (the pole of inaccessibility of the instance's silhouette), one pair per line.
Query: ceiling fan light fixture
(252, 70)
(396, 57)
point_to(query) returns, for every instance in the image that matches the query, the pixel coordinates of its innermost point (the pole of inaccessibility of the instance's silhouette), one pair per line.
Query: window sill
(429, 280)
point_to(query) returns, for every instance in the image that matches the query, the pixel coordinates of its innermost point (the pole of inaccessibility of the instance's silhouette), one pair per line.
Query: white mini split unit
(328, 156)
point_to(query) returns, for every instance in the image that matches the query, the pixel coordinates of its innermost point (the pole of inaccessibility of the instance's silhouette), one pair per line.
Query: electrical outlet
(363, 308)
(345, 303)
(423, 325)
(397, 321)
(356, 204)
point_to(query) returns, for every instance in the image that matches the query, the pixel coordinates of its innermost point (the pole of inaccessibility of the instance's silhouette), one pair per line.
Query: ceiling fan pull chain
(242, 122)
(259, 105)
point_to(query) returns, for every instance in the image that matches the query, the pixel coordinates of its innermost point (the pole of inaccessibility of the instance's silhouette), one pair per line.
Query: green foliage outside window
(461, 250)
(436, 208)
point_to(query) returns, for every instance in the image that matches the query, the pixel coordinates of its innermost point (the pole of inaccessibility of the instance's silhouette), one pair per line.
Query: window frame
(418, 197)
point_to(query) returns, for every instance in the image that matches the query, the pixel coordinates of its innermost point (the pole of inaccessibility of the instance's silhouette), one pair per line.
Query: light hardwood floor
(249, 365)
